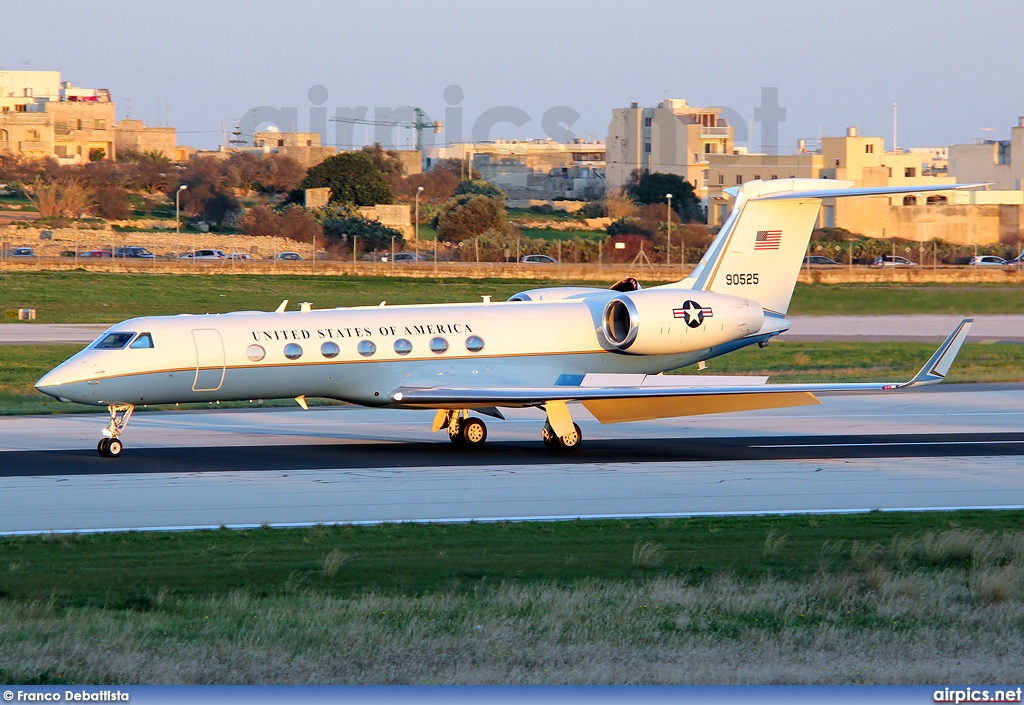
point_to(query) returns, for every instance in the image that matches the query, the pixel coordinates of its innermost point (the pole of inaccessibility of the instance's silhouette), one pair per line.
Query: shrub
(111, 202)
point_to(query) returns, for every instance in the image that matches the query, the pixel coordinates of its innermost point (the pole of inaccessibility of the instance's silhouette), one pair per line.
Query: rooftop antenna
(989, 130)
(128, 110)
(894, 114)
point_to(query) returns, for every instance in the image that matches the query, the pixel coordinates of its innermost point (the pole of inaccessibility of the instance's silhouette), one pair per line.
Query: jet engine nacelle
(669, 321)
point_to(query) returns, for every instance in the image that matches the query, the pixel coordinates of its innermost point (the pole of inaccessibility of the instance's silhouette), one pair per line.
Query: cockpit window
(114, 341)
(145, 340)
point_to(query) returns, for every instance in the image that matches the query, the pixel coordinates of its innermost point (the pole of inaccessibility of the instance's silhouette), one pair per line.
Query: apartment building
(672, 138)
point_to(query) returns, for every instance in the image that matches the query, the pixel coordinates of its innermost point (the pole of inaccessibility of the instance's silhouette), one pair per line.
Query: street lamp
(177, 221)
(416, 224)
(668, 214)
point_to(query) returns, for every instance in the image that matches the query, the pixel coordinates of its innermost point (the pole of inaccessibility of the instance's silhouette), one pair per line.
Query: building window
(20, 108)
(869, 149)
(910, 200)
(647, 147)
(647, 122)
(33, 135)
(721, 179)
(3, 136)
(739, 179)
(309, 143)
(101, 124)
(61, 150)
(910, 172)
(837, 162)
(932, 200)
(280, 143)
(757, 177)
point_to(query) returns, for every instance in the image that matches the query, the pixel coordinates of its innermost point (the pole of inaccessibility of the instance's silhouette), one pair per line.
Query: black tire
(101, 447)
(473, 432)
(456, 437)
(114, 448)
(547, 435)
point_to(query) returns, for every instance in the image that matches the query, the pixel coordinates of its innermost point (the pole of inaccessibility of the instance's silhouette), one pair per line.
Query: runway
(946, 447)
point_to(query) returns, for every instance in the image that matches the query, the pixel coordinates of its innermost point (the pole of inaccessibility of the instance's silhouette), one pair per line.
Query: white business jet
(543, 348)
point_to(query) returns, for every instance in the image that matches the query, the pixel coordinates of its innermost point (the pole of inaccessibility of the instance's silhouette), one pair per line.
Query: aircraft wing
(611, 403)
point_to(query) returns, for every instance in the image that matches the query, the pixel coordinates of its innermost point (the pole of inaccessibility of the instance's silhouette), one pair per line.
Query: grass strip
(870, 598)
(96, 297)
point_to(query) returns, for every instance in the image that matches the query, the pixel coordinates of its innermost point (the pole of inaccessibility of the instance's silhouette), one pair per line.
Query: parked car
(289, 256)
(205, 255)
(892, 261)
(818, 259)
(538, 259)
(988, 261)
(133, 252)
(403, 257)
(240, 256)
(95, 253)
(22, 252)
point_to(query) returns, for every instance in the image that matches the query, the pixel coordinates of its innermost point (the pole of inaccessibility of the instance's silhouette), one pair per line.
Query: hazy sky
(954, 67)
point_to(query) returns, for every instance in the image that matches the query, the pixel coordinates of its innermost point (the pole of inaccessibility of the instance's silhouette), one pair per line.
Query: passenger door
(209, 360)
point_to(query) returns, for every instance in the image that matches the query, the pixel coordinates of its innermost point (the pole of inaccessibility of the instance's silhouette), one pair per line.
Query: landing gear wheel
(565, 444)
(473, 433)
(110, 447)
(455, 434)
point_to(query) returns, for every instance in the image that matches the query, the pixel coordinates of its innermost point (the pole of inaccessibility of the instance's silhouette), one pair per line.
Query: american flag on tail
(767, 240)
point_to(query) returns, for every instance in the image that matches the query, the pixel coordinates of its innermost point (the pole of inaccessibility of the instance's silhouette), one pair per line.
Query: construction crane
(419, 124)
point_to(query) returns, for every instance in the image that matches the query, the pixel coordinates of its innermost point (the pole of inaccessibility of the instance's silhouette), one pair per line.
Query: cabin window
(366, 348)
(145, 340)
(255, 353)
(330, 349)
(293, 351)
(403, 346)
(438, 345)
(474, 343)
(114, 341)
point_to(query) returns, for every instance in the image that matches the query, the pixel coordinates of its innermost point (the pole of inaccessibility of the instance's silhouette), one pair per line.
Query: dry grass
(648, 554)
(913, 628)
(773, 543)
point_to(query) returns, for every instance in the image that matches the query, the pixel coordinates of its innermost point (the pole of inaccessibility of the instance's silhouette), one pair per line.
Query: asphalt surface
(947, 447)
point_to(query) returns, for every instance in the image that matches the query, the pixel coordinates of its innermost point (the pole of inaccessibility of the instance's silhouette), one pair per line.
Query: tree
(387, 161)
(469, 215)
(480, 188)
(652, 188)
(372, 235)
(112, 202)
(352, 178)
(57, 198)
(294, 223)
(97, 154)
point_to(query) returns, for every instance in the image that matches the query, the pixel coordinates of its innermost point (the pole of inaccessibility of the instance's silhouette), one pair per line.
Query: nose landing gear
(110, 446)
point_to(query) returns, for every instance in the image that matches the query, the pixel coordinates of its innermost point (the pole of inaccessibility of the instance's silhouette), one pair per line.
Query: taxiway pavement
(955, 446)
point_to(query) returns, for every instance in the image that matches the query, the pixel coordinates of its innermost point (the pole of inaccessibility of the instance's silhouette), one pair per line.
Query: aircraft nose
(55, 381)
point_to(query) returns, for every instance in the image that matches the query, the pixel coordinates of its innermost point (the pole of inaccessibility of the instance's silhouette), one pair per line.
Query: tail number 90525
(740, 279)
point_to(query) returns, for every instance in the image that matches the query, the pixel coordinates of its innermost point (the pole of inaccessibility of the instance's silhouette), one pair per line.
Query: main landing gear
(467, 431)
(110, 446)
(463, 430)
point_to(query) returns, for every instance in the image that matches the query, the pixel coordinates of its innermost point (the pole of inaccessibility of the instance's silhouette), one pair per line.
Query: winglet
(282, 307)
(935, 370)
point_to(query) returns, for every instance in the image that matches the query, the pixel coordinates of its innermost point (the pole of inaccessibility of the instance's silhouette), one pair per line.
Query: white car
(538, 259)
(891, 261)
(205, 255)
(240, 256)
(988, 261)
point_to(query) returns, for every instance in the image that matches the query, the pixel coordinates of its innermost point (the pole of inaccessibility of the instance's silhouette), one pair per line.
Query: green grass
(120, 570)
(866, 362)
(877, 299)
(93, 297)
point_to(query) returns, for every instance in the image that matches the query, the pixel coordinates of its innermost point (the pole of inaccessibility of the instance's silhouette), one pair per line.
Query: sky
(953, 67)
